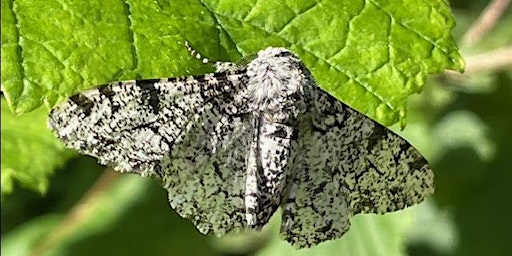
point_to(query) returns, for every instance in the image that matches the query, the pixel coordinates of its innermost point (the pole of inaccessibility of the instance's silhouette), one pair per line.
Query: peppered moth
(232, 146)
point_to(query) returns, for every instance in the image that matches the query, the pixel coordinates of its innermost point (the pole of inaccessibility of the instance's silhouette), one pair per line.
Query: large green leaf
(30, 152)
(370, 54)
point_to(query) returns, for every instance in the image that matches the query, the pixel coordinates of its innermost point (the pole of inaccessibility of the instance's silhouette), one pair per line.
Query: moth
(233, 146)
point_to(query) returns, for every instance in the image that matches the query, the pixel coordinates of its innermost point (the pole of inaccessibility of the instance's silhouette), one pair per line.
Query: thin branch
(485, 22)
(491, 60)
(75, 217)
(499, 59)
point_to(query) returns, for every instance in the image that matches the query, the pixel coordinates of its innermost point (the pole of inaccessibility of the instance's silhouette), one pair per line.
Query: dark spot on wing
(280, 132)
(221, 76)
(320, 188)
(106, 91)
(418, 163)
(404, 146)
(200, 79)
(217, 171)
(284, 54)
(152, 93)
(325, 228)
(379, 133)
(83, 102)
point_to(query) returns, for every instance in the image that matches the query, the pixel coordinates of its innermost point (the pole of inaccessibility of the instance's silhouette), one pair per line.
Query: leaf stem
(485, 22)
(497, 59)
(77, 216)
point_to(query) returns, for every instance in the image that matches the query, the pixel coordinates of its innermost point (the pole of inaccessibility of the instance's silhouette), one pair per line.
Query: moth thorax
(277, 100)
(275, 87)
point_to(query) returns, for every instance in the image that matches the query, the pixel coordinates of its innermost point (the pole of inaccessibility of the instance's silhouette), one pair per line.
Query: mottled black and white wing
(348, 164)
(186, 131)
(233, 146)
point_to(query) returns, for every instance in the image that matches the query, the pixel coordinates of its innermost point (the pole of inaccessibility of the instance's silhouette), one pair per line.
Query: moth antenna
(196, 54)
(220, 66)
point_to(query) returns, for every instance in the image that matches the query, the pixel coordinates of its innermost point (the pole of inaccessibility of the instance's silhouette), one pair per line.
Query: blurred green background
(462, 123)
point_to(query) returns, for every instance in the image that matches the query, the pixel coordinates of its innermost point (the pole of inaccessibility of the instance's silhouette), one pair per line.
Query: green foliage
(30, 152)
(373, 55)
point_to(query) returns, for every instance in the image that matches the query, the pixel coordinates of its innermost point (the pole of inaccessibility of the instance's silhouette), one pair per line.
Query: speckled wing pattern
(348, 164)
(185, 131)
(232, 146)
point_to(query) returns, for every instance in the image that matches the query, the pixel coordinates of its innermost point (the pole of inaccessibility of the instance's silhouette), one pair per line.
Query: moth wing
(348, 164)
(184, 131)
(207, 173)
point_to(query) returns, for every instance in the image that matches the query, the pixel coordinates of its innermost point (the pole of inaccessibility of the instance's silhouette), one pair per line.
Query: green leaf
(370, 54)
(30, 152)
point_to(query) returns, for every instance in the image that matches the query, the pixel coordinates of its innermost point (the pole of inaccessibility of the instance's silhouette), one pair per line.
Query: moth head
(280, 61)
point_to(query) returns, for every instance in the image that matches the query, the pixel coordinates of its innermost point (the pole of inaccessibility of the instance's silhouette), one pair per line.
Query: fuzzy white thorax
(276, 82)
